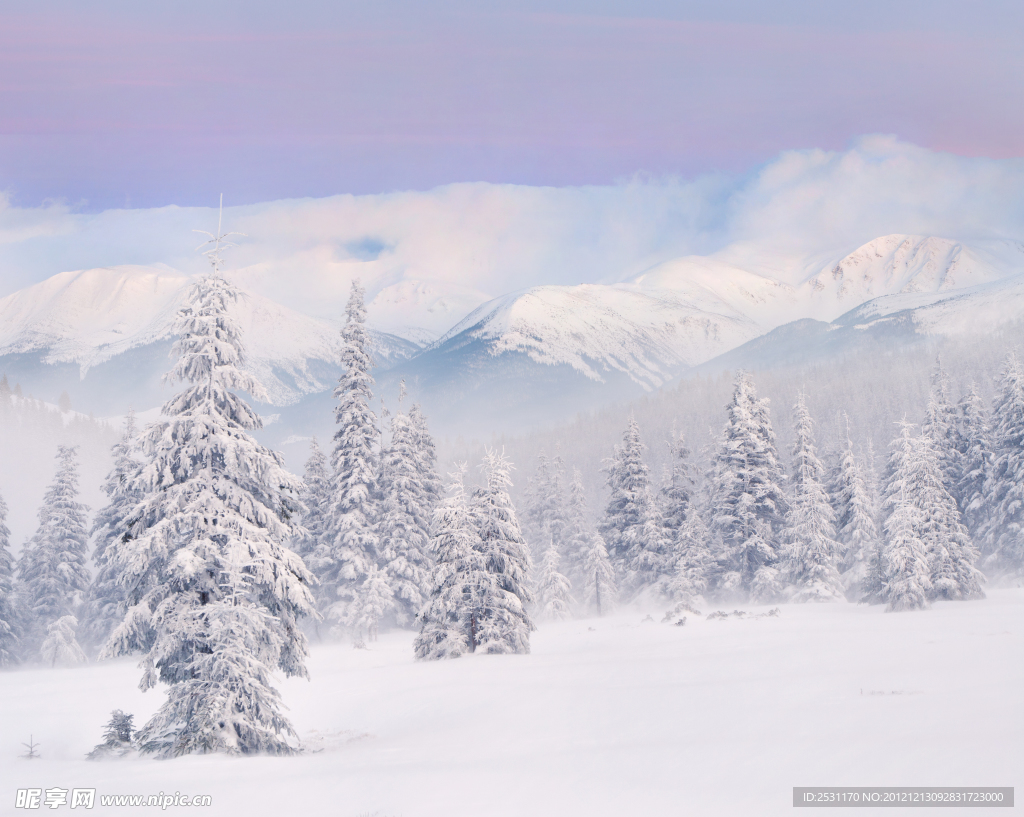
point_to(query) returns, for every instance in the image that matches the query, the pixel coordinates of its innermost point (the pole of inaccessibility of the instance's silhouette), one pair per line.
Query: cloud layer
(469, 241)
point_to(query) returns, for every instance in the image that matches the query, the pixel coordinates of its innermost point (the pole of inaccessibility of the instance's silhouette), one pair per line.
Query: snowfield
(611, 716)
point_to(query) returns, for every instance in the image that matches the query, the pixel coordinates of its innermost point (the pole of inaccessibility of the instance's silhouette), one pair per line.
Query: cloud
(484, 239)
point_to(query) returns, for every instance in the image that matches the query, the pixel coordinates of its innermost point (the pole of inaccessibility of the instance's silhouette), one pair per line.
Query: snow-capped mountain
(539, 355)
(88, 318)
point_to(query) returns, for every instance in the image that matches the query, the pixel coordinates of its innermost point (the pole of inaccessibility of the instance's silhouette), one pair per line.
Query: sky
(118, 104)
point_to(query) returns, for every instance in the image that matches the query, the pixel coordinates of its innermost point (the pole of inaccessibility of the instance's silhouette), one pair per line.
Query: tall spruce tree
(856, 528)
(103, 606)
(426, 460)
(459, 579)
(404, 523)
(589, 567)
(316, 498)
(214, 595)
(674, 496)
(940, 426)
(53, 563)
(974, 449)
(811, 551)
(749, 504)
(554, 590)
(503, 624)
(352, 545)
(10, 619)
(1003, 527)
(547, 513)
(694, 560)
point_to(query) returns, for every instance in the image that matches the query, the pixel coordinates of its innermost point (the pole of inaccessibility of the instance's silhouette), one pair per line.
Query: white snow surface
(607, 716)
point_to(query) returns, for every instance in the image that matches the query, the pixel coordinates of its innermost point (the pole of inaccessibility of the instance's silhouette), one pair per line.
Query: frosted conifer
(811, 550)
(351, 546)
(403, 529)
(53, 563)
(214, 595)
(316, 498)
(503, 624)
(856, 529)
(974, 450)
(554, 590)
(1003, 527)
(10, 620)
(694, 560)
(60, 646)
(373, 600)
(674, 497)
(590, 569)
(102, 609)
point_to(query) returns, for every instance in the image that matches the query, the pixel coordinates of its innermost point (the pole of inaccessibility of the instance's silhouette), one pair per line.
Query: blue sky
(119, 104)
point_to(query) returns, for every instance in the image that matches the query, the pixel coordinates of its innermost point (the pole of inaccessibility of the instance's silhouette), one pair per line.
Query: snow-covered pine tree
(458, 579)
(749, 505)
(103, 607)
(374, 600)
(1003, 526)
(554, 590)
(351, 546)
(694, 559)
(118, 737)
(674, 496)
(589, 567)
(940, 426)
(503, 624)
(214, 594)
(974, 449)
(856, 529)
(547, 514)
(10, 619)
(52, 567)
(403, 530)
(60, 646)
(316, 499)
(810, 550)
(426, 460)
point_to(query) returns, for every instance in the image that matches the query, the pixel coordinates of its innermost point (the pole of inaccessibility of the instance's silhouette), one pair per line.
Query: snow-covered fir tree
(749, 504)
(590, 569)
(458, 579)
(974, 450)
(1003, 526)
(940, 425)
(554, 590)
(674, 496)
(905, 561)
(60, 647)
(373, 601)
(694, 560)
(214, 594)
(856, 528)
(101, 612)
(10, 619)
(316, 499)
(633, 528)
(503, 624)
(547, 512)
(344, 559)
(426, 459)
(403, 530)
(52, 567)
(118, 737)
(810, 550)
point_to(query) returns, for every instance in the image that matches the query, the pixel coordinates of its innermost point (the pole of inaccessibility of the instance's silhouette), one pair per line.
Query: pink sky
(127, 107)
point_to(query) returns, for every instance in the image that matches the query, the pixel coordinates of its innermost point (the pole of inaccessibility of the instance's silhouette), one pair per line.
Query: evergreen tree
(590, 569)
(974, 449)
(118, 737)
(554, 590)
(10, 620)
(503, 624)
(316, 498)
(811, 549)
(629, 484)
(547, 513)
(60, 646)
(351, 547)
(694, 560)
(940, 426)
(53, 563)
(856, 529)
(458, 578)
(749, 504)
(102, 609)
(374, 599)
(1003, 528)
(213, 594)
(674, 497)
(403, 529)
(426, 460)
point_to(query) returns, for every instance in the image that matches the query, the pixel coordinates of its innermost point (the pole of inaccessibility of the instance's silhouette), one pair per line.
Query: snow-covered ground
(611, 716)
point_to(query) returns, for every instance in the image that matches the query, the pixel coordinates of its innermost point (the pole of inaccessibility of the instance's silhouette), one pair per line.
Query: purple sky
(128, 105)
